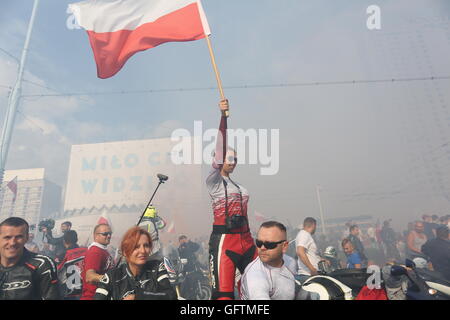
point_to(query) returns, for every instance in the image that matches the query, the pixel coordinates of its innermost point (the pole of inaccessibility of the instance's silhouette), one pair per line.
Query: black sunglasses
(267, 244)
(105, 234)
(231, 159)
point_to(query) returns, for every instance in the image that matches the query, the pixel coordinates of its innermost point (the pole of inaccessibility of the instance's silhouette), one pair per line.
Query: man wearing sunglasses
(97, 261)
(268, 277)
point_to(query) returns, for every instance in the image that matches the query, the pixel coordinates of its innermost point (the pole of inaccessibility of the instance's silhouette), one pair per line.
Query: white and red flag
(171, 227)
(12, 185)
(104, 219)
(118, 29)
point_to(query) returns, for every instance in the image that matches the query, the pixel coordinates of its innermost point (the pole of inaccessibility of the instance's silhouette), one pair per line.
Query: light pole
(320, 208)
(14, 99)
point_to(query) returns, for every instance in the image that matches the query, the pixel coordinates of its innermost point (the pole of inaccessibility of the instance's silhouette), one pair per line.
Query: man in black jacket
(390, 242)
(187, 251)
(438, 250)
(24, 275)
(58, 243)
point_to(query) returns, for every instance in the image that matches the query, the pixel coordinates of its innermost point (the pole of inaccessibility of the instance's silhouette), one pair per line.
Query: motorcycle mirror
(410, 264)
(398, 271)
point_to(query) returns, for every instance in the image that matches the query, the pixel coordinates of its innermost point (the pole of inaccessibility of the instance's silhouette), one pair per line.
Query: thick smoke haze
(374, 148)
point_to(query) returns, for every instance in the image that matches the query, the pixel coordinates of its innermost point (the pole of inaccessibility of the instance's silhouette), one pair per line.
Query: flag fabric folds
(104, 219)
(12, 185)
(171, 228)
(118, 29)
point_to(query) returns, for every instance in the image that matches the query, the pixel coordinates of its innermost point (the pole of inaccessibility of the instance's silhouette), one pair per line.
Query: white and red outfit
(98, 259)
(228, 248)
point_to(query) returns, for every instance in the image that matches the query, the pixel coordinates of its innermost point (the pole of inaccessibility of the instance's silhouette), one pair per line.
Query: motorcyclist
(69, 270)
(24, 275)
(138, 278)
(187, 250)
(152, 223)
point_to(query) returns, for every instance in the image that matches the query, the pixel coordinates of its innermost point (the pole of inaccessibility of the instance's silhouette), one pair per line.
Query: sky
(381, 149)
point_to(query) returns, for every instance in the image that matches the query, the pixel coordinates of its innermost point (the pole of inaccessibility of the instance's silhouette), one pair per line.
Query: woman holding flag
(231, 245)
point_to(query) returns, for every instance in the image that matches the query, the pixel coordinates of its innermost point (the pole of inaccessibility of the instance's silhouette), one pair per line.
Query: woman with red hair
(138, 278)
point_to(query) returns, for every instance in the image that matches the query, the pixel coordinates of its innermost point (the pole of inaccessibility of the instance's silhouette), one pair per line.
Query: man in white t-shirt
(308, 255)
(269, 277)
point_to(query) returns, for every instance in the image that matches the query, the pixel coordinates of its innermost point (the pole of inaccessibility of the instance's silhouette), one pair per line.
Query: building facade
(37, 198)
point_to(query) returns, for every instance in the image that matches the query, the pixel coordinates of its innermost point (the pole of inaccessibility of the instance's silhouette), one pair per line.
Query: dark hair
(442, 232)
(68, 223)
(70, 237)
(15, 222)
(309, 222)
(99, 225)
(353, 227)
(272, 224)
(182, 237)
(345, 241)
(434, 217)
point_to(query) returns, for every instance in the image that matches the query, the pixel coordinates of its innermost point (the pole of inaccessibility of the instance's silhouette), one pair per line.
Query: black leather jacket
(34, 277)
(152, 284)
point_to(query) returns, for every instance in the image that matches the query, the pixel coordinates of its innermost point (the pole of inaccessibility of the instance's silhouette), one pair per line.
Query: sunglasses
(231, 159)
(267, 244)
(105, 234)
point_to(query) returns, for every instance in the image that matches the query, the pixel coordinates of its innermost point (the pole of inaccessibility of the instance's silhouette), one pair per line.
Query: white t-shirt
(290, 263)
(305, 240)
(263, 282)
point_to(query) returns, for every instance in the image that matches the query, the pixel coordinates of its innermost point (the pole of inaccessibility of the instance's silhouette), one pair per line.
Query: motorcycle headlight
(432, 291)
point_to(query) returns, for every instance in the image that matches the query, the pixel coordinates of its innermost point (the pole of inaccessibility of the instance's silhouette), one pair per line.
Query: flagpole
(14, 100)
(216, 71)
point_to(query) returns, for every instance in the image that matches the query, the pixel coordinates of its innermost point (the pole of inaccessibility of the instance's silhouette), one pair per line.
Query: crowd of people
(274, 263)
(87, 273)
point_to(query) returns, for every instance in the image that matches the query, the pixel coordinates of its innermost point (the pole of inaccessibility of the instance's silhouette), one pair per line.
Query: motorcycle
(411, 283)
(334, 282)
(189, 285)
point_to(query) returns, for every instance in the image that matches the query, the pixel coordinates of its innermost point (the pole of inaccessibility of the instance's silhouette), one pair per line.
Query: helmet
(150, 212)
(420, 262)
(327, 288)
(330, 252)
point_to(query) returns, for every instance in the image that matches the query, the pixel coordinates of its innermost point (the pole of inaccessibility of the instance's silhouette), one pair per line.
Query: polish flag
(12, 185)
(171, 228)
(103, 219)
(117, 29)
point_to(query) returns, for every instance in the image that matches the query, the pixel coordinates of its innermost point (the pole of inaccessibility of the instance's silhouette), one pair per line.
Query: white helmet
(420, 262)
(330, 252)
(327, 288)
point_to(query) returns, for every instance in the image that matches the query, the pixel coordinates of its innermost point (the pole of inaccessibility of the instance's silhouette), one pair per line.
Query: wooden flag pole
(216, 71)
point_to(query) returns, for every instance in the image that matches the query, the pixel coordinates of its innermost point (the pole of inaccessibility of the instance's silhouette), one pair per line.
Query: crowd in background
(354, 246)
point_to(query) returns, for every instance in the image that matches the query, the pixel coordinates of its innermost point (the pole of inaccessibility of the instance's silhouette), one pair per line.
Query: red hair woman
(138, 278)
